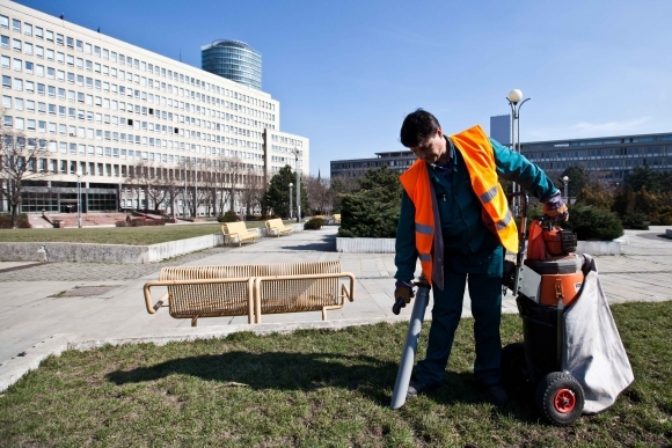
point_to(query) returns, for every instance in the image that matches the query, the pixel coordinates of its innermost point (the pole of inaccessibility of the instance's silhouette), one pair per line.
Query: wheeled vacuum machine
(572, 358)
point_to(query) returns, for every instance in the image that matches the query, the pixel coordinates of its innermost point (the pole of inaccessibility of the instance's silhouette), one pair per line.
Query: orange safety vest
(479, 158)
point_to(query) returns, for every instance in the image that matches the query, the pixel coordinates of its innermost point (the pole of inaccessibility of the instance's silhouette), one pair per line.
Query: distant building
(607, 159)
(105, 113)
(397, 161)
(500, 128)
(233, 60)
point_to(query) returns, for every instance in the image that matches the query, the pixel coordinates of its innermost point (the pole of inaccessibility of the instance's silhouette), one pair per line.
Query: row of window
(249, 149)
(205, 174)
(21, 104)
(62, 147)
(66, 202)
(653, 162)
(84, 47)
(621, 153)
(247, 115)
(642, 139)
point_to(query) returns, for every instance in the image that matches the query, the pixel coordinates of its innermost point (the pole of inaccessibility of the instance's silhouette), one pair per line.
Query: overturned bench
(252, 290)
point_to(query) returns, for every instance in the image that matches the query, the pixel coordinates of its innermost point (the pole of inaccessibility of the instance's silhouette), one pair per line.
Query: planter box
(365, 245)
(106, 253)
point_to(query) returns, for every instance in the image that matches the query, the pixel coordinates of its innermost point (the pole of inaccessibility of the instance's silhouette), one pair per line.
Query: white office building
(117, 120)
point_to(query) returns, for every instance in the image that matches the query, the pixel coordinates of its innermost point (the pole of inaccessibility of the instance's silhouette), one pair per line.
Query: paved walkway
(48, 308)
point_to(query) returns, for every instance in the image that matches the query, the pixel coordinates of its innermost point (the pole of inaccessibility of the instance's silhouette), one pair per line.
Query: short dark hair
(417, 127)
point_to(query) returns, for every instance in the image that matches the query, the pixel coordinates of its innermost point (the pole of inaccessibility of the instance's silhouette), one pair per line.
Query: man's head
(422, 133)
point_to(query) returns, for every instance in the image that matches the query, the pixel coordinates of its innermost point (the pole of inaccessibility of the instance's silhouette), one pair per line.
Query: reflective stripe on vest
(416, 184)
(479, 157)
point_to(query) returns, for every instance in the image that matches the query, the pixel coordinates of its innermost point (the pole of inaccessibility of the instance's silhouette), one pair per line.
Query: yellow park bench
(252, 290)
(275, 227)
(237, 232)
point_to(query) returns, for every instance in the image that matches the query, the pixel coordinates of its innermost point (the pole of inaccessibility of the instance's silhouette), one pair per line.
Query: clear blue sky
(346, 72)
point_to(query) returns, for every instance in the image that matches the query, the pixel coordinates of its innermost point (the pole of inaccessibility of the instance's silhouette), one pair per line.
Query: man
(455, 219)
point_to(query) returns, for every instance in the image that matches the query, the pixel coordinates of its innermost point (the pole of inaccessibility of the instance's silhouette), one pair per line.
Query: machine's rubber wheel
(513, 367)
(560, 398)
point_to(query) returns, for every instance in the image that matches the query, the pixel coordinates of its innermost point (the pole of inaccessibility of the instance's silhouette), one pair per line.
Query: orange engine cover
(560, 287)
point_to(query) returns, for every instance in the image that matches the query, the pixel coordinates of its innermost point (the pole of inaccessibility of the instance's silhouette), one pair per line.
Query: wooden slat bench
(275, 227)
(237, 232)
(252, 290)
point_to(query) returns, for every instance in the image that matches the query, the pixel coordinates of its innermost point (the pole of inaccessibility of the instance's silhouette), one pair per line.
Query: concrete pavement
(52, 307)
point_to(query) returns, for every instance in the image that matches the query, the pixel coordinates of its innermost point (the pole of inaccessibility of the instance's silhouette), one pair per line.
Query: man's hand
(556, 209)
(403, 291)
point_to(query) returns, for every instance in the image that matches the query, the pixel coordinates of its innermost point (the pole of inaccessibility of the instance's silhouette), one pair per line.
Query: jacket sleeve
(515, 166)
(405, 252)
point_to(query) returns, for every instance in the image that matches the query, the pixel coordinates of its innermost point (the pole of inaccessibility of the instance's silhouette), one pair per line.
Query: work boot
(497, 395)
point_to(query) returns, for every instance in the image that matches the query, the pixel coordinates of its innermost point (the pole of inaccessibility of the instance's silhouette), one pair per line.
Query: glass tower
(233, 60)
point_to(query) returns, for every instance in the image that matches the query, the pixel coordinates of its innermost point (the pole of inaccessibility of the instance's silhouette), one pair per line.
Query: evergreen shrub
(637, 221)
(373, 210)
(594, 223)
(314, 223)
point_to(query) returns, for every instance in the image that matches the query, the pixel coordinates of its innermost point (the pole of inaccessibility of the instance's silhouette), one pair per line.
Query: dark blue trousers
(486, 303)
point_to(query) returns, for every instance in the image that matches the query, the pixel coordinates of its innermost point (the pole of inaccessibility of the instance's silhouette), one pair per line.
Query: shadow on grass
(275, 370)
(308, 372)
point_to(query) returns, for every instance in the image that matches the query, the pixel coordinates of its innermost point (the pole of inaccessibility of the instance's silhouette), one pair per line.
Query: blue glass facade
(233, 60)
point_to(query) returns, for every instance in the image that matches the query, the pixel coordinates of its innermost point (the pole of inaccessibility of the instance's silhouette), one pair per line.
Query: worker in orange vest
(455, 219)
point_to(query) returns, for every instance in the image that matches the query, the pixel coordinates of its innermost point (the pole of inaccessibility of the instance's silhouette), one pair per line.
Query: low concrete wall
(599, 247)
(365, 245)
(157, 252)
(386, 245)
(106, 253)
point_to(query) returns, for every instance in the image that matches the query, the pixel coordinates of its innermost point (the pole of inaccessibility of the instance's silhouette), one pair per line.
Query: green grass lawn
(115, 235)
(317, 388)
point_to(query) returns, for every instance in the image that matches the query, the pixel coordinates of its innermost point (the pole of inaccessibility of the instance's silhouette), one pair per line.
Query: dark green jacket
(469, 246)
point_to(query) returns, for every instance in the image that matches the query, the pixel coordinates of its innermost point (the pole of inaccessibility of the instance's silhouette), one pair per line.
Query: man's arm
(514, 166)
(405, 252)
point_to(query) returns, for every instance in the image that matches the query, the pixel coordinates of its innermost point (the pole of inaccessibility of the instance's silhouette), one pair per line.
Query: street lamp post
(196, 190)
(516, 100)
(291, 214)
(79, 199)
(298, 186)
(565, 182)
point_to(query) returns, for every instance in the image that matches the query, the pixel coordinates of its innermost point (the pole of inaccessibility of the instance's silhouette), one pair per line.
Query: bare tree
(195, 190)
(138, 179)
(217, 184)
(319, 195)
(18, 162)
(157, 189)
(339, 187)
(252, 189)
(201, 188)
(233, 178)
(171, 186)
